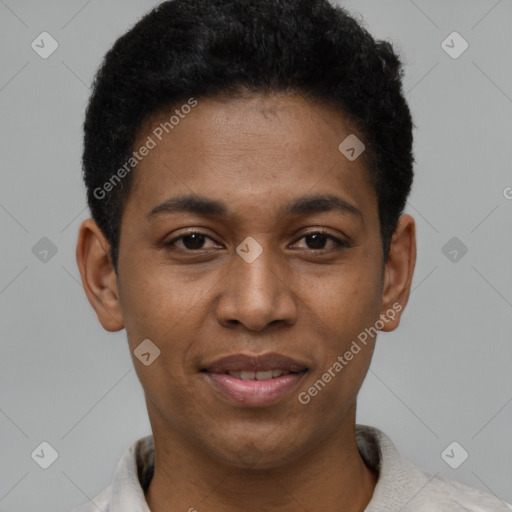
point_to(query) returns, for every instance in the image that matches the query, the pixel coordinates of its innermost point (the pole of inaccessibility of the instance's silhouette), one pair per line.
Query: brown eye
(193, 241)
(318, 240)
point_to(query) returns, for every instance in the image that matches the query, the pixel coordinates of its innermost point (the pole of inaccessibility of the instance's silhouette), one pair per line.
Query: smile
(254, 381)
(265, 375)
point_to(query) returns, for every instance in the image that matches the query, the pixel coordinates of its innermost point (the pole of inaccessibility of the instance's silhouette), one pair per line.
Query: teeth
(266, 375)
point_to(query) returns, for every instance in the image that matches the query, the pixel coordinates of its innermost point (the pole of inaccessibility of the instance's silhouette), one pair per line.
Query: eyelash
(340, 243)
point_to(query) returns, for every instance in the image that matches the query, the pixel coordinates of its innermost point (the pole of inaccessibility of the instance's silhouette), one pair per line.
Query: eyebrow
(301, 206)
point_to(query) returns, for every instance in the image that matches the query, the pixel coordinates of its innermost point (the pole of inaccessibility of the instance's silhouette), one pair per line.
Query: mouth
(255, 381)
(261, 375)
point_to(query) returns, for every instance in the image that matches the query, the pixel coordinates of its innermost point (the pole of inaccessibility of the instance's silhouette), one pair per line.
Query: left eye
(318, 240)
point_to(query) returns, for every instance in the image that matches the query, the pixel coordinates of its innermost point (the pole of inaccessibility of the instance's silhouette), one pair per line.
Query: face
(250, 255)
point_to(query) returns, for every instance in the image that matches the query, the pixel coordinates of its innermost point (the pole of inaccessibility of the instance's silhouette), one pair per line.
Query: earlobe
(399, 271)
(98, 276)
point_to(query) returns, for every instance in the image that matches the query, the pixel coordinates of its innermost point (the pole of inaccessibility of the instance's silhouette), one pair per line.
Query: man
(247, 165)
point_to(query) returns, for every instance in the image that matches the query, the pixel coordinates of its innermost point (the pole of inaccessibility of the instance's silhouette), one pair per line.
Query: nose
(256, 294)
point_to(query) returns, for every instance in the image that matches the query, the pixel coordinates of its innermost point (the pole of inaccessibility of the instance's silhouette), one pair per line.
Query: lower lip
(254, 393)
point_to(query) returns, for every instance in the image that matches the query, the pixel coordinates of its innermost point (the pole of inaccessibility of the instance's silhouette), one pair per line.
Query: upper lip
(255, 363)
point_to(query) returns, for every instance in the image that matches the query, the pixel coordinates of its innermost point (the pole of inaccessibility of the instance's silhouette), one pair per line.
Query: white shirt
(402, 486)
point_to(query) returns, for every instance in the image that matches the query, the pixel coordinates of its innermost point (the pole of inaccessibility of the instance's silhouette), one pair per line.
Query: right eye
(190, 241)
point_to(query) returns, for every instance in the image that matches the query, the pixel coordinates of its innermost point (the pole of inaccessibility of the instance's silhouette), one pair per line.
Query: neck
(331, 477)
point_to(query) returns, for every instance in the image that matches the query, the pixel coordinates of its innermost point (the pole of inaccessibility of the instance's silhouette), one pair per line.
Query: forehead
(259, 149)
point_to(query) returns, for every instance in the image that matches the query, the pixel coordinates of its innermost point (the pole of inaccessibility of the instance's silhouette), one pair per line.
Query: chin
(257, 452)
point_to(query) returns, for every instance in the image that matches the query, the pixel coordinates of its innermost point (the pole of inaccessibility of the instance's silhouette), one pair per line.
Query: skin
(302, 298)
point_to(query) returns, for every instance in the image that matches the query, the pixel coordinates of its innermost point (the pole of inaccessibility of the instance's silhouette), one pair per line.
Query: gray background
(444, 375)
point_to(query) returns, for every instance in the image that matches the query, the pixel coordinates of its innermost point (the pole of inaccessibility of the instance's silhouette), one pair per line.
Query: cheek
(344, 315)
(345, 308)
(168, 308)
(155, 298)
(346, 299)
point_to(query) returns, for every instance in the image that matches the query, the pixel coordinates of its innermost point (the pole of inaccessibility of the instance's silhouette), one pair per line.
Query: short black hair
(187, 49)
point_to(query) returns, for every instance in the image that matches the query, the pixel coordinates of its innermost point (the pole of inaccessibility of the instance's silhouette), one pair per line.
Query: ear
(398, 272)
(98, 275)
